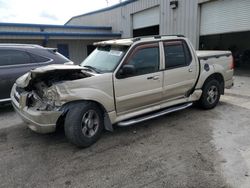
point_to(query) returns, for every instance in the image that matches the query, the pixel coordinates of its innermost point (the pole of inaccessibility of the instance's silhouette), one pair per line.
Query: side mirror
(127, 70)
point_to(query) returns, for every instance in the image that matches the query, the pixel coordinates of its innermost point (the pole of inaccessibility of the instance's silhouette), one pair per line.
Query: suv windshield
(104, 58)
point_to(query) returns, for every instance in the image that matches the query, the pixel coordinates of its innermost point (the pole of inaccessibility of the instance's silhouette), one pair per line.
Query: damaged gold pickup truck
(121, 83)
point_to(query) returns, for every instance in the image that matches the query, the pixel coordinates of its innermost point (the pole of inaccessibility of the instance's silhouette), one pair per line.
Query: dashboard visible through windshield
(104, 58)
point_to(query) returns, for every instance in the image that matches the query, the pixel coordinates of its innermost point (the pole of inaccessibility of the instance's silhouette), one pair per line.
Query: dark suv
(17, 59)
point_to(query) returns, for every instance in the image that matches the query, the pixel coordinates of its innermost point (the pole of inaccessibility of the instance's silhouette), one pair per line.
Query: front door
(142, 86)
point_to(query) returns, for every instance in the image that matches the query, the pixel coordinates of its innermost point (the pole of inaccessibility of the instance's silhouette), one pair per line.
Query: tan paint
(134, 95)
(216, 65)
(97, 88)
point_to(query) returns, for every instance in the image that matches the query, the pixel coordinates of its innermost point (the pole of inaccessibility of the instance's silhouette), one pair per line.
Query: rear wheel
(84, 124)
(210, 94)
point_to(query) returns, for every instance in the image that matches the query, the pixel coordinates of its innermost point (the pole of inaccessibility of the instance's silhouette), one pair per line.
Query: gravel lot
(190, 148)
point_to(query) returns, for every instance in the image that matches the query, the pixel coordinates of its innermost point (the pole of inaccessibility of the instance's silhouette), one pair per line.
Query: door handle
(153, 78)
(190, 70)
(156, 77)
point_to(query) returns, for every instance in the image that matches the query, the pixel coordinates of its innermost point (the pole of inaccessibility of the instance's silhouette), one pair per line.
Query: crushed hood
(44, 72)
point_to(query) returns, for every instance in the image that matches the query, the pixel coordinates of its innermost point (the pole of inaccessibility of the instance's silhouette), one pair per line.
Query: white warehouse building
(75, 42)
(209, 24)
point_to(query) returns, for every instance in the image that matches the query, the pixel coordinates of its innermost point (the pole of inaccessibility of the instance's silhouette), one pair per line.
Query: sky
(48, 11)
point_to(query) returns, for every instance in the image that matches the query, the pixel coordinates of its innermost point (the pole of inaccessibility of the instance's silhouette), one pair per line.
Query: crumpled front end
(35, 116)
(36, 96)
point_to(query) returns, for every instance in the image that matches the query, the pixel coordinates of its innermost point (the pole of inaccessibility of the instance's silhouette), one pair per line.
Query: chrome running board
(5, 100)
(153, 115)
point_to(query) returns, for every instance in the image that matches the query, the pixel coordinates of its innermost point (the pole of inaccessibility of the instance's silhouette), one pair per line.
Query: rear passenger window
(14, 57)
(177, 54)
(38, 59)
(4, 58)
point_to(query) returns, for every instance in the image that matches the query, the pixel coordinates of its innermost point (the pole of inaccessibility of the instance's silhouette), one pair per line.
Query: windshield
(104, 58)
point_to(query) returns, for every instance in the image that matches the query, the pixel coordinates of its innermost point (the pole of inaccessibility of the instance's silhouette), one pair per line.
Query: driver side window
(144, 60)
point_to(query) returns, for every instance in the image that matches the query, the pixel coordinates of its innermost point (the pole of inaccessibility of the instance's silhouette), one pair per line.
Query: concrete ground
(190, 148)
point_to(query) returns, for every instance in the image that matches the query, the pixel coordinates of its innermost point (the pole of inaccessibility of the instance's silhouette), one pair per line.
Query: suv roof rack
(20, 45)
(155, 37)
(159, 36)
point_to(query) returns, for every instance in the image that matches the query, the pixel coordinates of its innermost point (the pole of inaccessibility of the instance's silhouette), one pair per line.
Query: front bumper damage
(37, 120)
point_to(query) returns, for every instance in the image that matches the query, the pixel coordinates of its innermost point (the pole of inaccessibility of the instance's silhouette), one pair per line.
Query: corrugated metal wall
(183, 20)
(119, 18)
(77, 49)
(77, 44)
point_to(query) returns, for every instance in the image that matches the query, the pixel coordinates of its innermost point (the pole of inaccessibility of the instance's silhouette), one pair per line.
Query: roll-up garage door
(146, 18)
(225, 16)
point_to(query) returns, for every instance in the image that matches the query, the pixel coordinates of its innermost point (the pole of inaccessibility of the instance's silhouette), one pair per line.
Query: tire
(84, 124)
(210, 94)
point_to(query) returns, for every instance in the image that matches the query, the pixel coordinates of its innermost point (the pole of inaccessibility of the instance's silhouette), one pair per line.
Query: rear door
(181, 70)
(13, 64)
(143, 88)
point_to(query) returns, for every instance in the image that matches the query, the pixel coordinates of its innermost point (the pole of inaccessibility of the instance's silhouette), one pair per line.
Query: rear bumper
(38, 121)
(229, 83)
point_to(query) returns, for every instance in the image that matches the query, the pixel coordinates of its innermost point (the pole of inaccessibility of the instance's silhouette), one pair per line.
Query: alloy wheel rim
(212, 94)
(90, 123)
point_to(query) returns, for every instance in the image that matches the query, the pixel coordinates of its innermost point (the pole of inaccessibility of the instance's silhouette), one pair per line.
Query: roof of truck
(130, 41)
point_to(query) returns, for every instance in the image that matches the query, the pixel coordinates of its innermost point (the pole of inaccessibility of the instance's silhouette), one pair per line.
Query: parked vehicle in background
(17, 59)
(122, 82)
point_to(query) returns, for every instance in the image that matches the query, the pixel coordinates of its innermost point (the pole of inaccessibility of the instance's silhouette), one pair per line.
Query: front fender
(90, 94)
(97, 88)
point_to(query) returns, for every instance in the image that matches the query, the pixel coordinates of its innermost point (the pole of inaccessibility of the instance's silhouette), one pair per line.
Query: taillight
(231, 65)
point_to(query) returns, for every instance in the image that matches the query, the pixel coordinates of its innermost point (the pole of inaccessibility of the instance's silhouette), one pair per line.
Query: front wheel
(84, 124)
(210, 94)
